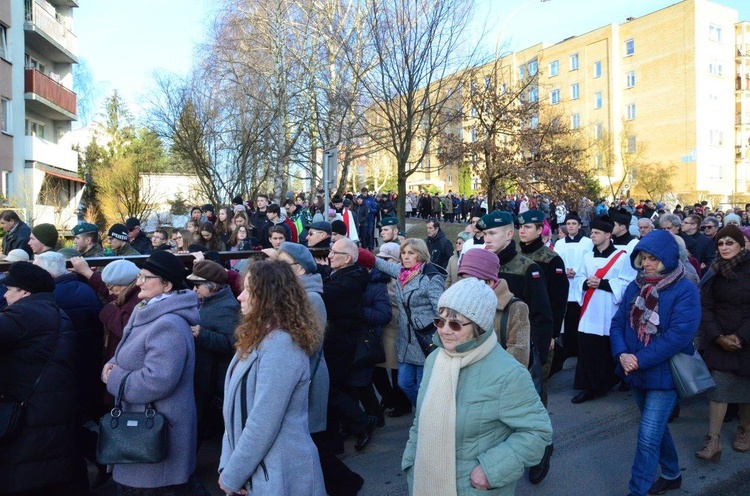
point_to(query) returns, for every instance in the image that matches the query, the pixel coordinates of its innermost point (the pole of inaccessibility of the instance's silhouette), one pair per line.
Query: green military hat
(530, 217)
(85, 227)
(498, 218)
(388, 221)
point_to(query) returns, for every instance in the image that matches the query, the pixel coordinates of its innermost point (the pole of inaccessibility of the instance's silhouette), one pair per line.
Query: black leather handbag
(424, 335)
(131, 437)
(370, 351)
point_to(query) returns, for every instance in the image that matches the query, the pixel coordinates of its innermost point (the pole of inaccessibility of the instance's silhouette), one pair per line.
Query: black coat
(31, 331)
(142, 244)
(726, 310)
(440, 248)
(701, 247)
(18, 238)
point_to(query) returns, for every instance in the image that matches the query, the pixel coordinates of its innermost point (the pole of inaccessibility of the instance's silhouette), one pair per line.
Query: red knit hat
(366, 259)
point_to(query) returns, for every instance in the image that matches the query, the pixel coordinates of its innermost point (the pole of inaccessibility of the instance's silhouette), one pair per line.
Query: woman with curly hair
(267, 447)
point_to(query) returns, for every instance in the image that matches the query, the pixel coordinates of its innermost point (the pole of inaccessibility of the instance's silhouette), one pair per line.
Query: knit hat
(206, 270)
(473, 299)
(120, 273)
(390, 251)
(464, 236)
(731, 231)
(46, 234)
(366, 259)
(207, 208)
(29, 277)
(482, 264)
(745, 232)
(132, 222)
(237, 200)
(301, 255)
(338, 227)
(732, 218)
(166, 265)
(118, 231)
(17, 255)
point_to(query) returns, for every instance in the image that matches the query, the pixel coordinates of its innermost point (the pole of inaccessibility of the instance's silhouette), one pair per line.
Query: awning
(63, 175)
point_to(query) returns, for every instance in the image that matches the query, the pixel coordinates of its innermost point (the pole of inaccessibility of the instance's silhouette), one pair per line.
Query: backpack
(535, 366)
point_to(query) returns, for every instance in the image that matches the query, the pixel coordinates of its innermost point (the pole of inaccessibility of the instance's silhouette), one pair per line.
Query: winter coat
(701, 247)
(452, 270)
(113, 317)
(440, 249)
(214, 345)
(421, 294)
(518, 330)
(376, 312)
(726, 310)
(678, 321)
(501, 423)
(390, 330)
(158, 349)
(32, 330)
(448, 205)
(80, 302)
(18, 238)
(435, 205)
(142, 244)
(273, 450)
(319, 383)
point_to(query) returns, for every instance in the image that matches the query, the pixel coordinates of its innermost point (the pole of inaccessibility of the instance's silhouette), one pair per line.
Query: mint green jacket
(501, 423)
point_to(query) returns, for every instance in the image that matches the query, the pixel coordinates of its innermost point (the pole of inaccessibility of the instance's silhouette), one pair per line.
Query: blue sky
(123, 43)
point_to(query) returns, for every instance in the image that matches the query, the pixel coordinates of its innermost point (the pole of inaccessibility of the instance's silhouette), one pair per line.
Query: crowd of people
(320, 335)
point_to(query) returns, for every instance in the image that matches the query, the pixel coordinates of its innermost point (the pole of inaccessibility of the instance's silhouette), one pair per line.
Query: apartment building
(38, 168)
(659, 85)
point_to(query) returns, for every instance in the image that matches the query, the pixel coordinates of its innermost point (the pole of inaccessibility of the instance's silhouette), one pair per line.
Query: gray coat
(318, 403)
(158, 348)
(422, 293)
(273, 451)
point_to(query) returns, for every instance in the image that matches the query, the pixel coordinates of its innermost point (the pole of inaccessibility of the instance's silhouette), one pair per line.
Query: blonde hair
(419, 246)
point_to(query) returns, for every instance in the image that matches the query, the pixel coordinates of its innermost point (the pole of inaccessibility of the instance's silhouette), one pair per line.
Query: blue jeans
(409, 379)
(655, 445)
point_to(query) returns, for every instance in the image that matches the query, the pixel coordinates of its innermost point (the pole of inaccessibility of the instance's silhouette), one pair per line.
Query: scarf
(407, 275)
(727, 268)
(644, 314)
(435, 461)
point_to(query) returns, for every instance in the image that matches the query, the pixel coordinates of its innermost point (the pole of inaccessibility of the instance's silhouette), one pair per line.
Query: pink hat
(482, 264)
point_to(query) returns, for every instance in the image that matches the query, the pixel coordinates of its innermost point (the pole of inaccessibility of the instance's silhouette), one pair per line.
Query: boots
(711, 449)
(742, 439)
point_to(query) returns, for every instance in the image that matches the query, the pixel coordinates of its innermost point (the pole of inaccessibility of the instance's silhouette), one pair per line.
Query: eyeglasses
(728, 243)
(143, 277)
(708, 227)
(453, 325)
(339, 253)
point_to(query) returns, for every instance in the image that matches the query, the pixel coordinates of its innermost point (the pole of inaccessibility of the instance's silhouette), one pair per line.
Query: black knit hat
(731, 231)
(118, 231)
(167, 266)
(46, 234)
(29, 277)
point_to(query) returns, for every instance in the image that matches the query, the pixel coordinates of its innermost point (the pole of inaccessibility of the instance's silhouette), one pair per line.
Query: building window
(574, 62)
(575, 121)
(630, 79)
(534, 122)
(533, 68)
(554, 68)
(34, 128)
(521, 72)
(714, 33)
(598, 130)
(473, 135)
(630, 111)
(5, 116)
(450, 179)
(473, 111)
(598, 100)
(598, 69)
(715, 68)
(554, 96)
(599, 162)
(629, 47)
(631, 147)
(487, 82)
(473, 88)
(4, 52)
(715, 172)
(717, 137)
(533, 95)
(574, 91)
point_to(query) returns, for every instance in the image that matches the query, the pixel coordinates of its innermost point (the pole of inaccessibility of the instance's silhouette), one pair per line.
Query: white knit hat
(473, 299)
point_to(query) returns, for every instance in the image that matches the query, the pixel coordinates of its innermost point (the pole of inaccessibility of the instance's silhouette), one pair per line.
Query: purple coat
(158, 348)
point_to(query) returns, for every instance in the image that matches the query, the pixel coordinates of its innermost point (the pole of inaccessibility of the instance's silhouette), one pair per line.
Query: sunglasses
(453, 325)
(728, 242)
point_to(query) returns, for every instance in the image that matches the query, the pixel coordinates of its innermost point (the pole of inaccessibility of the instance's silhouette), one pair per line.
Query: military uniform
(94, 251)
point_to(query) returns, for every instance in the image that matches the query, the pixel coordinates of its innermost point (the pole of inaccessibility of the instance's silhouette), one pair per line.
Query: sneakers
(742, 439)
(663, 485)
(537, 473)
(711, 449)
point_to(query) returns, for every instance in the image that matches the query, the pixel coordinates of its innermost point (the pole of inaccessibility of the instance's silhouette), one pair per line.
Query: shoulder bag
(370, 351)
(424, 335)
(131, 437)
(691, 375)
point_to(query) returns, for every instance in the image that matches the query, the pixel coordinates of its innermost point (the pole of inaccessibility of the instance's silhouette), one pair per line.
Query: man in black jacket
(439, 246)
(17, 232)
(138, 239)
(698, 244)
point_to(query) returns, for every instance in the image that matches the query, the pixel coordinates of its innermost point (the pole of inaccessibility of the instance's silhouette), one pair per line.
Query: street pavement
(594, 448)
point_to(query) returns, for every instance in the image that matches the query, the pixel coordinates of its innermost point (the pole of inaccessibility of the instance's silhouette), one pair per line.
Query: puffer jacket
(376, 312)
(421, 295)
(726, 310)
(678, 320)
(501, 423)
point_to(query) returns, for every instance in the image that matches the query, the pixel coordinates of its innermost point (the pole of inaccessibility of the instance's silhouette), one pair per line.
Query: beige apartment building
(672, 86)
(38, 168)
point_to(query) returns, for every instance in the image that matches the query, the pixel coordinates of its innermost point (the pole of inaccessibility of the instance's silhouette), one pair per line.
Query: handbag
(424, 335)
(370, 351)
(131, 437)
(690, 374)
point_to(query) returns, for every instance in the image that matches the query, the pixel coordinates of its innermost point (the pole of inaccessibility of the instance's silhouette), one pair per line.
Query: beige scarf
(435, 462)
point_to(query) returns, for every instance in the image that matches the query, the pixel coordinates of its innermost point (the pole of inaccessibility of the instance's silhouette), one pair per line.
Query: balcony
(743, 50)
(46, 33)
(48, 153)
(48, 97)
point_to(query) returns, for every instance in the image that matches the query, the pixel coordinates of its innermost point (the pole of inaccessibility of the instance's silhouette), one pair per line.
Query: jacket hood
(313, 283)
(661, 244)
(440, 234)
